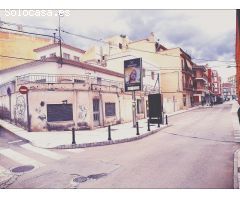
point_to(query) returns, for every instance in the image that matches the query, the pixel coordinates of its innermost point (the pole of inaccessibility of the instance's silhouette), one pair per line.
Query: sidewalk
(236, 132)
(88, 138)
(235, 121)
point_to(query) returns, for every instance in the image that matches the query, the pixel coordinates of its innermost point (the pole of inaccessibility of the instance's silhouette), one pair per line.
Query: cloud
(208, 34)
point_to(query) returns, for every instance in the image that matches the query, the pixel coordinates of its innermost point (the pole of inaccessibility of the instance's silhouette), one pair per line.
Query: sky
(204, 34)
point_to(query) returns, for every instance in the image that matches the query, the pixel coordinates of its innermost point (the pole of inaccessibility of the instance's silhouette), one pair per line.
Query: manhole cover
(97, 176)
(80, 179)
(21, 169)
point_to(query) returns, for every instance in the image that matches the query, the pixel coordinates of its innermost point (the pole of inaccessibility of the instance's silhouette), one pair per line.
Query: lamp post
(59, 35)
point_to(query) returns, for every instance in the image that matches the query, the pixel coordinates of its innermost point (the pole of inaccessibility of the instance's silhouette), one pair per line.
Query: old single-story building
(65, 93)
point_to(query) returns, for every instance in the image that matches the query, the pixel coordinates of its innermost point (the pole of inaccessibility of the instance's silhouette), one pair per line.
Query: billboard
(133, 74)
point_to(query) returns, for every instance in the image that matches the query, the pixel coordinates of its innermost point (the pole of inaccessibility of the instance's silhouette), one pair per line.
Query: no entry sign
(23, 89)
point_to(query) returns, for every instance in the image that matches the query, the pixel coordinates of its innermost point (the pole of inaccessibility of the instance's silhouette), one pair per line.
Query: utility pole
(60, 39)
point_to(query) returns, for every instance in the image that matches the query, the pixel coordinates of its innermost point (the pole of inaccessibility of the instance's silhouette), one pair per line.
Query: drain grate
(97, 176)
(22, 169)
(80, 179)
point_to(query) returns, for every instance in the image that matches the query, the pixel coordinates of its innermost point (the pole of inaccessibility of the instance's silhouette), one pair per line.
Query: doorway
(96, 113)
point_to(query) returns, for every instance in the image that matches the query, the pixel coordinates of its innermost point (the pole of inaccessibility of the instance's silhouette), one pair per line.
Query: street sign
(23, 89)
(9, 91)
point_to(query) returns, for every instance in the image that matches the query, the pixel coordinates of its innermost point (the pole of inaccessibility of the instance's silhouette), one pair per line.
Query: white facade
(56, 50)
(50, 68)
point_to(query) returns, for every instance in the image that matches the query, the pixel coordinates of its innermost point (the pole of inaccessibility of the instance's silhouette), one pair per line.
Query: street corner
(110, 141)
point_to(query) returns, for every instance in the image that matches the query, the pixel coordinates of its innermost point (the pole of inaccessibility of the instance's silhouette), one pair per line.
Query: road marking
(75, 150)
(16, 141)
(43, 152)
(20, 158)
(5, 174)
(2, 170)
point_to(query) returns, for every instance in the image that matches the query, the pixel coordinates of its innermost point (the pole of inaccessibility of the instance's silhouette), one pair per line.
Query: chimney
(19, 27)
(124, 41)
(151, 37)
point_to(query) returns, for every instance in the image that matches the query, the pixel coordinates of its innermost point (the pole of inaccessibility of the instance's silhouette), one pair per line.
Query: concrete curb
(236, 169)
(14, 131)
(235, 122)
(183, 111)
(104, 143)
(17, 131)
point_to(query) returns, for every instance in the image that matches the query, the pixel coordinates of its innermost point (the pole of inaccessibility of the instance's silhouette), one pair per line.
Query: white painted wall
(56, 50)
(51, 68)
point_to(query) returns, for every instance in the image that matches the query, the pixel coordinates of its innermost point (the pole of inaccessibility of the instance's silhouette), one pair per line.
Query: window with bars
(110, 109)
(66, 56)
(99, 80)
(76, 58)
(53, 55)
(152, 75)
(139, 106)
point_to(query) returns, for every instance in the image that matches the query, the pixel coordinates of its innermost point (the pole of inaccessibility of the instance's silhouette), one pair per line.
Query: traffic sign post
(24, 90)
(9, 92)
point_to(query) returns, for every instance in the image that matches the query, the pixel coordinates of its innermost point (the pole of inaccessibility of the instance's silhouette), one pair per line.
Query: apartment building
(19, 45)
(174, 66)
(200, 84)
(232, 80)
(228, 91)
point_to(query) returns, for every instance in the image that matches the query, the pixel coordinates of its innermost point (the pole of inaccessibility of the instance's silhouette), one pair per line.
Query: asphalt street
(195, 151)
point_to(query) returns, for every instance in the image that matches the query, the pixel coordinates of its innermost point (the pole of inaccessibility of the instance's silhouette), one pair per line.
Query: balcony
(203, 78)
(187, 70)
(188, 87)
(200, 89)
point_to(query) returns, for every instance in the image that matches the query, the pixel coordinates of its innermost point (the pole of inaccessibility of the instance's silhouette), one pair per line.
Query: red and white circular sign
(23, 89)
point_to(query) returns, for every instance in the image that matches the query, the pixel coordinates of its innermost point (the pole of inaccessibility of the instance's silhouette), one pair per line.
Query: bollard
(158, 122)
(73, 136)
(166, 120)
(137, 127)
(109, 132)
(148, 123)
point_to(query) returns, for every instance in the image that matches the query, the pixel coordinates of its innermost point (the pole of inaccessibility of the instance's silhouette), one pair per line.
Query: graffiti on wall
(40, 111)
(82, 113)
(4, 113)
(20, 108)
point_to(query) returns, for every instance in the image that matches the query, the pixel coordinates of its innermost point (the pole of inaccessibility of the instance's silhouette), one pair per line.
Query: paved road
(196, 151)
(7, 139)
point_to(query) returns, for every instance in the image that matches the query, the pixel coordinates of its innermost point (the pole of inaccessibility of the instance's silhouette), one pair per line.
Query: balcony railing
(70, 79)
(201, 78)
(188, 87)
(50, 78)
(58, 78)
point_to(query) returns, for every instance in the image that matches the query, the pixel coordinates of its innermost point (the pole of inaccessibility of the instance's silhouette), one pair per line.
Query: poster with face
(133, 75)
